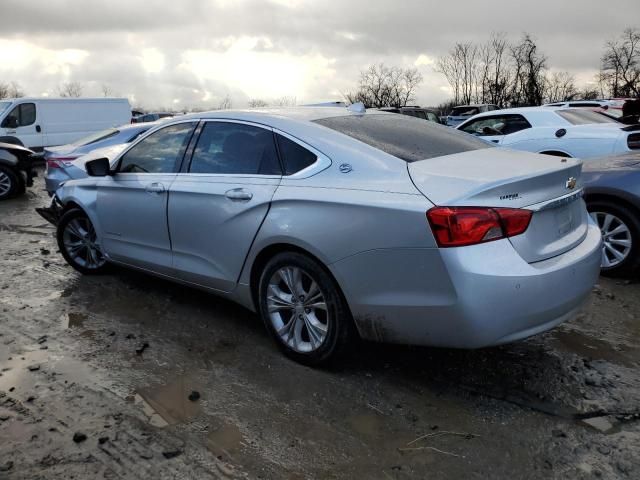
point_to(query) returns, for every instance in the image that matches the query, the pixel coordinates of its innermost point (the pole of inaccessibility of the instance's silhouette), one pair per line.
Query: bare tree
(560, 87)
(495, 71)
(11, 90)
(620, 69)
(258, 103)
(107, 91)
(382, 86)
(461, 68)
(529, 73)
(70, 89)
(225, 103)
(285, 101)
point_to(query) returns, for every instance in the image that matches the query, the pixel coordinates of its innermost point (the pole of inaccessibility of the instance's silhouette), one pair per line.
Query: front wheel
(78, 243)
(9, 183)
(620, 230)
(303, 309)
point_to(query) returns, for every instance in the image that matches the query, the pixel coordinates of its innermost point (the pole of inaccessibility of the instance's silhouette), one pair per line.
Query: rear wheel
(620, 228)
(9, 183)
(303, 309)
(78, 243)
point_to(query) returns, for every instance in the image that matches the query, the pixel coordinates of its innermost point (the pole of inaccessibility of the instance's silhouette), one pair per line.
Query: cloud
(194, 52)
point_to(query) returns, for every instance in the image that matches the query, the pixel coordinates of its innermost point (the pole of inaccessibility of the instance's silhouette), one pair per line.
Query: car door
(217, 205)
(22, 122)
(132, 203)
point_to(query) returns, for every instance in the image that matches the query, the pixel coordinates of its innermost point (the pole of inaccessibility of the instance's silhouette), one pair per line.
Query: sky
(193, 53)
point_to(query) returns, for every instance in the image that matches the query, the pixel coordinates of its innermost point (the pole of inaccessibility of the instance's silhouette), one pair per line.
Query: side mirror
(98, 168)
(10, 122)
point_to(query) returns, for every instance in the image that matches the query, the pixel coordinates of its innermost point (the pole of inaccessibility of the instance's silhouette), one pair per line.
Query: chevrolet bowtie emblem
(571, 183)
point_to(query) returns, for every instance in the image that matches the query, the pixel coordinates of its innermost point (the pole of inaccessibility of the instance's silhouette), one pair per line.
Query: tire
(10, 184)
(78, 243)
(603, 211)
(303, 322)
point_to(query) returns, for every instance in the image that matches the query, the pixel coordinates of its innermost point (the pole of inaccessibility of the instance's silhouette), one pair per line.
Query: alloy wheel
(297, 309)
(80, 241)
(616, 238)
(5, 184)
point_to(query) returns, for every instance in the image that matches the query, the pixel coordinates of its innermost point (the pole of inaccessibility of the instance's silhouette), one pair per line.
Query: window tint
(497, 125)
(294, 156)
(160, 152)
(432, 117)
(24, 114)
(404, 137)
(464, 111)
(583, 117)
(234, 148)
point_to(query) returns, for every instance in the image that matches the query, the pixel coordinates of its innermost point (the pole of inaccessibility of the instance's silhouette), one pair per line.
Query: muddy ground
(96, 375)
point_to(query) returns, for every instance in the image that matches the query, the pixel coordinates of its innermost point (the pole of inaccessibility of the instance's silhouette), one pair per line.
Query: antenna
(357, 108)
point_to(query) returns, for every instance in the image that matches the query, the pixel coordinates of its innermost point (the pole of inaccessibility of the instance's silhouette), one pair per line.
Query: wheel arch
(614, 196)
(269, 251)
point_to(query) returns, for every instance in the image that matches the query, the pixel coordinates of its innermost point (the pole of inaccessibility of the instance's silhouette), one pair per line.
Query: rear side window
(235, 148)
(464, 111)
(295, 157)
(583, 117)
(406, 138)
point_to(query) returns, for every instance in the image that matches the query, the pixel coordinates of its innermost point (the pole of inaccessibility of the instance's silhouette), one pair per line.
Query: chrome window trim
(322, 161)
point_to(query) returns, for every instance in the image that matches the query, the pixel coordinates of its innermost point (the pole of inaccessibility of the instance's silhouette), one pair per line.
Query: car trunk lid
(549, 186)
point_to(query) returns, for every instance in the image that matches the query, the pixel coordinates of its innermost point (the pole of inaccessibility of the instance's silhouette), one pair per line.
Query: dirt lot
(96, 375)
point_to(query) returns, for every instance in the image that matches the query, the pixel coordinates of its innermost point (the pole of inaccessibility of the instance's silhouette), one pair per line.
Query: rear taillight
(633, 141)
(59, 162)
(460, 226)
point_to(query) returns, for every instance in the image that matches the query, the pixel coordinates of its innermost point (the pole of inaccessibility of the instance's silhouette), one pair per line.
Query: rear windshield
(407, 138)
(96, 137)
(584, 117)
(463, 111)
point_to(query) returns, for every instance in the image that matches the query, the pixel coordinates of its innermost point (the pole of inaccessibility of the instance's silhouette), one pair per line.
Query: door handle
(495, 141)
(38, 129)
(238, 194)
(154, 188)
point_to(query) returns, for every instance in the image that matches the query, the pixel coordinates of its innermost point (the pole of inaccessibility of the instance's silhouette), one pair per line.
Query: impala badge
(571, 183)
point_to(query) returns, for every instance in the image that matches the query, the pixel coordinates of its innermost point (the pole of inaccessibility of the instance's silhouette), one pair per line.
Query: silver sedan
(336, 223)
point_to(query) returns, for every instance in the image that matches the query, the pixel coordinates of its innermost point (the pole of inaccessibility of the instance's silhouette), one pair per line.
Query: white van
(44, 122)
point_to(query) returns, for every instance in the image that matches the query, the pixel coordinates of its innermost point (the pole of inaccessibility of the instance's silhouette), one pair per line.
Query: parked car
(418, 112)
(60, 165)
(463, 112)
(151, 117)
(612, 193)
(42, 122)
(16, 170)
(336, 222)
(66, 170)
(565, 132)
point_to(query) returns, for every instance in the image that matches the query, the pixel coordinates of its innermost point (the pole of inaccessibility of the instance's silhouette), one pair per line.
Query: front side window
(404, 137)
(235, 149)
(160, 152)
(498, 125)
(22, 115)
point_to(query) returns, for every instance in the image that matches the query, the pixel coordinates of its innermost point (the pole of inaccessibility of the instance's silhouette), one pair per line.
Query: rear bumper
(467, 297)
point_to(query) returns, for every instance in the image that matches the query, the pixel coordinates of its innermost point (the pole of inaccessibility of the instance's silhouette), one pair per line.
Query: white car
(565, 132)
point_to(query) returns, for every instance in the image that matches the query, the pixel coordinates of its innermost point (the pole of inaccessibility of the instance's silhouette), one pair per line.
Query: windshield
(584, 117)
(96, 137)
(4, 106)
(405, 137)
(464, 111)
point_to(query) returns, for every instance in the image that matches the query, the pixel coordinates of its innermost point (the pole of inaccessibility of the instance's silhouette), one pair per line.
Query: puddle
(73, 319)
(367, 424)
(168, 404)
(593, 348)
(24, 382)
(225, 440)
